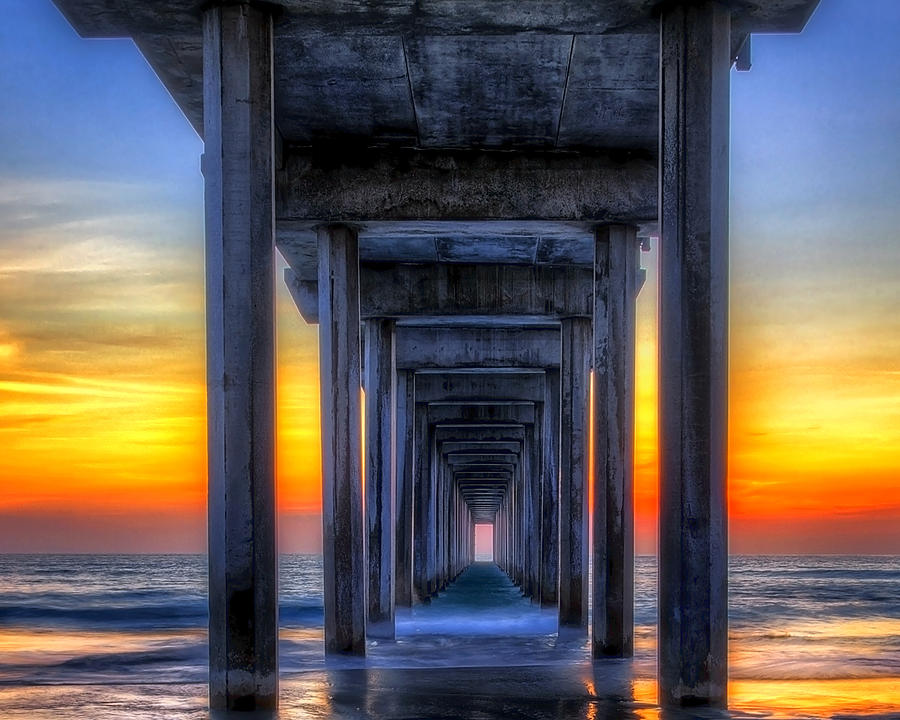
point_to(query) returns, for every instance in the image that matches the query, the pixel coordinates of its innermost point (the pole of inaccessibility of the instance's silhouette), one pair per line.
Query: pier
(462, 190)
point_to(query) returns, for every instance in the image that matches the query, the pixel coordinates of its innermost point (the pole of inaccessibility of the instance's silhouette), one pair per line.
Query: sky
(102, 376)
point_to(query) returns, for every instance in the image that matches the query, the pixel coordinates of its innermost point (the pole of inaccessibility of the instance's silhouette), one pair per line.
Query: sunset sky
(102, 380)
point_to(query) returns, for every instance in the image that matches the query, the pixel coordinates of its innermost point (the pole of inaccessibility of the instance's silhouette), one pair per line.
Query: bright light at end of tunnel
(484, 542)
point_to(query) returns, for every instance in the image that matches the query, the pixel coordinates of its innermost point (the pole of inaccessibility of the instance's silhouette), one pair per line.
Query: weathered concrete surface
(497, 411)
(693, 363)
(414, 185)
(550, 491)
(342, 509)
(617, 259)
(480, 432)
(403, 516)
(464, 387)
(449, 348)
(380, 479)
(575, 369)
(240, 335)
(488, 446)
(398, 290)
(422, 499)
(453, 73)
(516, 242)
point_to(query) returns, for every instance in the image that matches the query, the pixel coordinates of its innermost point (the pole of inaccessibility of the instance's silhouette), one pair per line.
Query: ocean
(124, 636)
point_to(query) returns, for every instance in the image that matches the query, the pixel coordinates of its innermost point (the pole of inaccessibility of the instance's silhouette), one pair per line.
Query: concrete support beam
(405, 449)
(550, 492)
(342, 509)
(483, 432)
(380, 481)
(471, 387)
(510, 412)
(475, 185)
(440, 290)
(693, 364)
(240, 336)
(573, 463)
(448, 348)
(616, 261)
(478, 446)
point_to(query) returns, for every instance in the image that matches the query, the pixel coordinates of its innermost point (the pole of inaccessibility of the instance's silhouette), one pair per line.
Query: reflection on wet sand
(602, 692)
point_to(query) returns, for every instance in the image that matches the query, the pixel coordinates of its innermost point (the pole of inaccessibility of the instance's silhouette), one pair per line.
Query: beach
(123, 636)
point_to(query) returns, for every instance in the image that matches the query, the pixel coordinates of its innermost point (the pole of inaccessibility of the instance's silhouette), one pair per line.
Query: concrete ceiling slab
(482, 74)
(488, 91)
(363, 75)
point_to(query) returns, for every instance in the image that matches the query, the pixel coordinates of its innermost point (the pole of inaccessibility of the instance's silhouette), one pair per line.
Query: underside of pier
(461, 190)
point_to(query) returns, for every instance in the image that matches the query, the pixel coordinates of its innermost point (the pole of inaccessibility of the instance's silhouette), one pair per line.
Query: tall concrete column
(440, 517)
(516, 532)
(339, 374)
(471, 537)
(575, 369)
(695, 59)
(452, 530)
(534, 506)
(380, 392)
(405, 446)
(421, 471)
(550, 492)
(616, 264)
(431, 521)
(240, 349)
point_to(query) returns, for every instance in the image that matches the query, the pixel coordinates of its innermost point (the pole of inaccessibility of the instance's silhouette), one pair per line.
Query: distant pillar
(575, 368)
(550, 492)
(240, 352)
(405, 446)
(616, 267)
(695, 59)
(342, 509)
(380, 392)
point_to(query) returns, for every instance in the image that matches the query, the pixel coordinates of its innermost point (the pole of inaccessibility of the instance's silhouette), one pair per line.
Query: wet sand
(479, 651)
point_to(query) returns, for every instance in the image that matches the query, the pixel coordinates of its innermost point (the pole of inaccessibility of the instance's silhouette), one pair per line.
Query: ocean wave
(173, 614)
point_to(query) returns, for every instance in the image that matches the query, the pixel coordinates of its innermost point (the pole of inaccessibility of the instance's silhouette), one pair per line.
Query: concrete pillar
(695, 60)
(380, 392)
(534, 506)
(405, 446)
(616, 264)
(575, 368)
(421, 472)
(440, 525)
(515, 518)
(452, 518)
(342, 509)
(240, 336)
(550, 491)
(431, 517)
(471, 536)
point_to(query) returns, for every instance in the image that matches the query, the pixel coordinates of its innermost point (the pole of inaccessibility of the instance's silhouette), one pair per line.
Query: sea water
(808, 636)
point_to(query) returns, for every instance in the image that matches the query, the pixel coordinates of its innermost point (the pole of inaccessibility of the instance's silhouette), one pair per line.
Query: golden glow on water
(24, 646)
(816, 698)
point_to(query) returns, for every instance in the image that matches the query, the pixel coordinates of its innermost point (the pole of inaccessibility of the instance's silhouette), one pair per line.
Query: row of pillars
(544, 502)
(238, 165)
